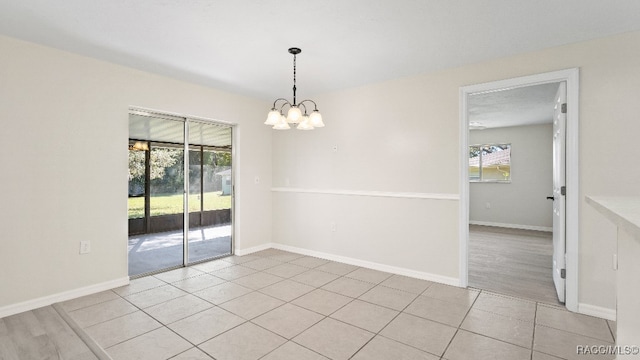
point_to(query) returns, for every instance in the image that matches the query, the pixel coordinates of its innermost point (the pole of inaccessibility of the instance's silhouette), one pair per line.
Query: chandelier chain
(294, 79)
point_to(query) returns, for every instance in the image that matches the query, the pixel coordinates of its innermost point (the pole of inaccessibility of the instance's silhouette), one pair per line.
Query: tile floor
(276, 305)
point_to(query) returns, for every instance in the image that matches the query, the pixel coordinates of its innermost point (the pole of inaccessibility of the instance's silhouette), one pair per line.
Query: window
(490, 163)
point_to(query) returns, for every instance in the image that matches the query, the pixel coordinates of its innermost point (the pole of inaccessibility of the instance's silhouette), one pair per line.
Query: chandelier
(295, 117)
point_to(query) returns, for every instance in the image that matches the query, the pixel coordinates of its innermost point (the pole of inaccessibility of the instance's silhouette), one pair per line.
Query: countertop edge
(616, 209)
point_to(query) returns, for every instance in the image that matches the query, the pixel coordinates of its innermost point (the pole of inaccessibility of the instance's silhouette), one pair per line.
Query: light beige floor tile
(178, 308)
(562, 319)
(506, 306)
(564, 344)
(288, 320)
(381, 348)
(408, 284)
(139, 285)
(178, 274)
(258, 280)
(287, 290)
(155, 296)
(334, 339)
(365, 315)
(451, 294)
(211, 266)
(205, 325)
(348, 287)
(466, 345)
(157, 344)
(123, 328)
(193, 354)
(391, 298)
(101, 312)
(309, 262)
(262, 264)
(542, 356)
(245, 342)
(369, 275)
(336, 268)
(89, 300)
(270, 252)
(315, 278)
(286, 270)
(438, 310)
(233, 272)
(198, 283)
(222, 293)
(322, 301)
(234, 259)
(513, 331)
(286, 257)
(423, 334)
(251, 305)
(293, 351)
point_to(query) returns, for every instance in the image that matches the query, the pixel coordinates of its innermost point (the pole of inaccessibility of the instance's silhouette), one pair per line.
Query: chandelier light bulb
(282, 124)
(305, 124)
(294, 115)
(273, 117)
(316, 119)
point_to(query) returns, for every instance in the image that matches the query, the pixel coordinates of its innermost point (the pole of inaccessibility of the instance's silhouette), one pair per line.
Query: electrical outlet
(335, 148)
(334, 227)
(85, 247)
(487, 205)
(256, 180)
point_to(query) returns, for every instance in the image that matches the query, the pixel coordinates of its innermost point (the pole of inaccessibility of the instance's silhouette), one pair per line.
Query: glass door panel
(156, 188)
(211, 186)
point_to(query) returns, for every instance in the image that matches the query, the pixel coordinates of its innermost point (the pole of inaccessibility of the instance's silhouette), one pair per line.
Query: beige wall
(522, 202)
(64, 165)
(403, 136)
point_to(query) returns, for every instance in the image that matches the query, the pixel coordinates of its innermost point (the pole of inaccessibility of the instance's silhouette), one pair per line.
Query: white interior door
(559, 175)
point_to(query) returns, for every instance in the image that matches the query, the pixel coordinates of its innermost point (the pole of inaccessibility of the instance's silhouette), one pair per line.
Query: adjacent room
(319, 180)
(511, 180)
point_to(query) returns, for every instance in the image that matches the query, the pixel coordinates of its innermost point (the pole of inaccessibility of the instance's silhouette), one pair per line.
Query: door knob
(550, 198)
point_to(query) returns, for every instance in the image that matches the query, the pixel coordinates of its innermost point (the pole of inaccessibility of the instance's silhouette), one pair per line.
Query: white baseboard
(242, 252)
(597, 311)
(63, 296)
(371, 265)
(511, 226)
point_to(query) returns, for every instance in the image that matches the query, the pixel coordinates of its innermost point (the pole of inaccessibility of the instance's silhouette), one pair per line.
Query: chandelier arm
(311, 101)
(283, 99)
(305, 108)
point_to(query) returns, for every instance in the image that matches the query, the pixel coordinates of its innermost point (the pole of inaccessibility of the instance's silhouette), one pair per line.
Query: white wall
(403, 136)
(522, 202)
(64, 134)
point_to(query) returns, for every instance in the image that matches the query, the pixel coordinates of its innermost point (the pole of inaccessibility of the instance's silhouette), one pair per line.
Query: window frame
(480, 178)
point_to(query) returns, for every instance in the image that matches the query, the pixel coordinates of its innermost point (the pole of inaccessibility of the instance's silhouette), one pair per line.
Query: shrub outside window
(490, 163)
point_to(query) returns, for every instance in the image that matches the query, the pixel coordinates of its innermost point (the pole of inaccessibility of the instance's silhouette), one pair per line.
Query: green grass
(172, 204)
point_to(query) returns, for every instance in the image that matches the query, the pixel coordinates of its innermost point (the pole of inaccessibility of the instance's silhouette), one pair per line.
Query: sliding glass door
(170, 157)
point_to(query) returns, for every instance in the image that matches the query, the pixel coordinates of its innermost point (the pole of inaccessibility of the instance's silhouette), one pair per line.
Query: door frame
(571, 77)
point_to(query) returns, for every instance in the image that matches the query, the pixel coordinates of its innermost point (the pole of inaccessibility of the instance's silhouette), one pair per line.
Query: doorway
(180, 196)
(570, 78)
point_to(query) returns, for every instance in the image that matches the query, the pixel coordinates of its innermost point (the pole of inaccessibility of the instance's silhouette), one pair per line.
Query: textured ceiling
(241, 46)
(528, 105)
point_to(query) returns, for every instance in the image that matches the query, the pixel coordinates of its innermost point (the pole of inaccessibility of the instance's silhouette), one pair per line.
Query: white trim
(571, 76)
(63, 296)
(371, 265)
(511, 226)
(408, 195)
(242, 252)
(597, 311)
